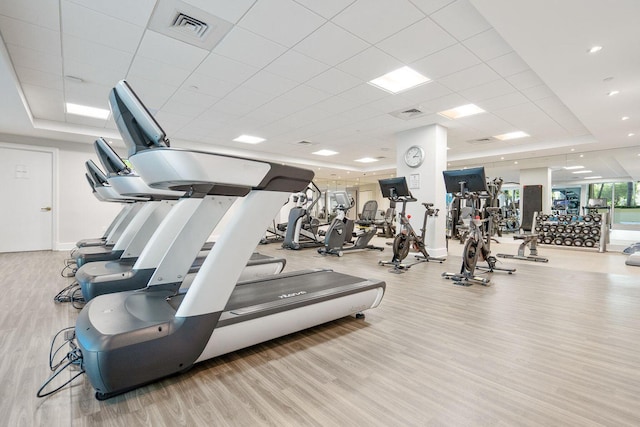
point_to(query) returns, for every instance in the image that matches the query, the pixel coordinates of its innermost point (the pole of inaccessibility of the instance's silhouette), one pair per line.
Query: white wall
(79, 214)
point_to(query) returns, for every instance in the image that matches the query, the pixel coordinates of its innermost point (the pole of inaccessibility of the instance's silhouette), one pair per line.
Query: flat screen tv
(394, 187)
(473, 178)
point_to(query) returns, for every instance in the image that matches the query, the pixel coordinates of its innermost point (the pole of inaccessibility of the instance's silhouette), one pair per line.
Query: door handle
(46, 209)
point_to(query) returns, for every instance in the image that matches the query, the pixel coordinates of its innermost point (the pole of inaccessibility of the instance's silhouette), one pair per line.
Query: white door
(25, 200)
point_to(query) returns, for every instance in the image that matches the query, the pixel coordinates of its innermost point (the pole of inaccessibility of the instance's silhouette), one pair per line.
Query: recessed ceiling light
(511, 135)
(325, 153)
(572, 167)
(248, 139)
(584, 171)
(515, 163)
(501, 158)
(594, 49)
(631, 134)
(613, 92)
(625, 118)
(592, 177)
(84, 110)
(462, 111)
(573, 149)
(366, 160)
(399, 80)
(581, 155)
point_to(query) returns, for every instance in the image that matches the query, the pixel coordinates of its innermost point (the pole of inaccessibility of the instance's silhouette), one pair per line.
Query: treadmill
(129, 339)
(125, 274)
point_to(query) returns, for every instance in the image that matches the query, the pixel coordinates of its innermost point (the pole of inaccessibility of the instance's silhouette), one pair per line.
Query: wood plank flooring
(553, 344)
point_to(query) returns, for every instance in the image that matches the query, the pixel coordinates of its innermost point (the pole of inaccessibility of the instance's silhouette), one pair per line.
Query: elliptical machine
(396, 190)
(341, 230)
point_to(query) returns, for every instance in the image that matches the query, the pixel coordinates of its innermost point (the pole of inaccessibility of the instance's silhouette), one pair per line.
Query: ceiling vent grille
(484, 140)
(190, 25)
(408, 113)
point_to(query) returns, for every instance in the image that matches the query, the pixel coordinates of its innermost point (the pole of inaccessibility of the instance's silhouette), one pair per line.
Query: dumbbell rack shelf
(585, 231)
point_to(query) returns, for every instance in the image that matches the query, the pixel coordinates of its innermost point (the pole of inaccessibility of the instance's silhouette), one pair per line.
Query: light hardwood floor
(553, 344)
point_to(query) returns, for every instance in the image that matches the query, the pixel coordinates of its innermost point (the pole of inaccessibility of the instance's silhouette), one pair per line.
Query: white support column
(430, 189)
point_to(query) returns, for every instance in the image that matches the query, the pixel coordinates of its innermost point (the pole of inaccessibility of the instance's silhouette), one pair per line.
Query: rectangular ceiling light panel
(461, 111)
(85, 110)
(399, 80)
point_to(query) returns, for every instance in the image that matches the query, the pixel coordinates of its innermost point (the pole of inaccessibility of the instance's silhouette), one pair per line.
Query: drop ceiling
(292, 71)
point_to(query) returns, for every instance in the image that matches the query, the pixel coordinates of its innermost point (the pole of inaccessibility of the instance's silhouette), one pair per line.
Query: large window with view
(623, 201)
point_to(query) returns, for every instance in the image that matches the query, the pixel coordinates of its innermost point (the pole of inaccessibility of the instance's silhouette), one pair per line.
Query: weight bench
(530, 240)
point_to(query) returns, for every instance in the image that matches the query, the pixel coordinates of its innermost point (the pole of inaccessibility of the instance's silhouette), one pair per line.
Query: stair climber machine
(104, 277)
(128, 339)
(338, 237)
(302, 230)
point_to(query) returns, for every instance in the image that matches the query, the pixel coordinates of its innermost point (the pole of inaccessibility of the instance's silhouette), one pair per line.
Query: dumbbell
(577, 229)
(568, 228)
(595, 231)
(588, 218)
(548, 240)
(560, 228)
(597, 218)
(568, 241)
(558, 240)
(589, 243)
(578, 241)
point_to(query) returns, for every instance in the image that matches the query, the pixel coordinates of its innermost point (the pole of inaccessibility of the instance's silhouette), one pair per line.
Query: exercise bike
(338, 236)
(478, 242)
(396, 190)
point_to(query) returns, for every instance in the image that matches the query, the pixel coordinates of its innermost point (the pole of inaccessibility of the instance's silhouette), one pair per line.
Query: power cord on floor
(72, 294)
(73, 357)
(69, 269)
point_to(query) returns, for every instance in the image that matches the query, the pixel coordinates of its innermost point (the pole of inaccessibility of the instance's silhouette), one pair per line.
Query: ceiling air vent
(189, 24)
(484, 140)
(408, 113)
(305, 142)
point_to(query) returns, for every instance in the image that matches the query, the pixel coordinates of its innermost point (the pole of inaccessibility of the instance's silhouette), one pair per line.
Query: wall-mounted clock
(414, 156)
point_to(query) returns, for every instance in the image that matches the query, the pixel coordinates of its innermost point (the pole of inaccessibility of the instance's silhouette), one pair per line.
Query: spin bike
(478, 242)
(406, 237)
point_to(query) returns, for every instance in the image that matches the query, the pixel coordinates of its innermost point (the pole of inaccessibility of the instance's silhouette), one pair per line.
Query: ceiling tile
(183, 109)
(225, 69)
(171, 122)
(334, 81)
(104, 73)
(45, 103)
(91, 94)
(375, 20)
(363, 94)
(508, 65)
(461, 19)
(157, 71)
(503, 101)
(230, 11)
(446, 61)
(431, 6)
(525, 80)
(488, 45)
(248, 48)
(390, 104)
(335, 105)
(170, 51)
(279, 106)
(44, 13)
(489, 90)
(417, 41)
(39, 78)
(82, 50)
(445, 103)
(475, 76)
(28, 58)
(135, 12)
(207, 85)
(194, 98)
(283, 21)
(30, 36)
(304, 96)
(249, 97)
(270, 83)
(370, 64)
(426, 92)
(93, 26)
(537, 92)
(296, 66)
(331, 44)
(326, 8)
(85, 121)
